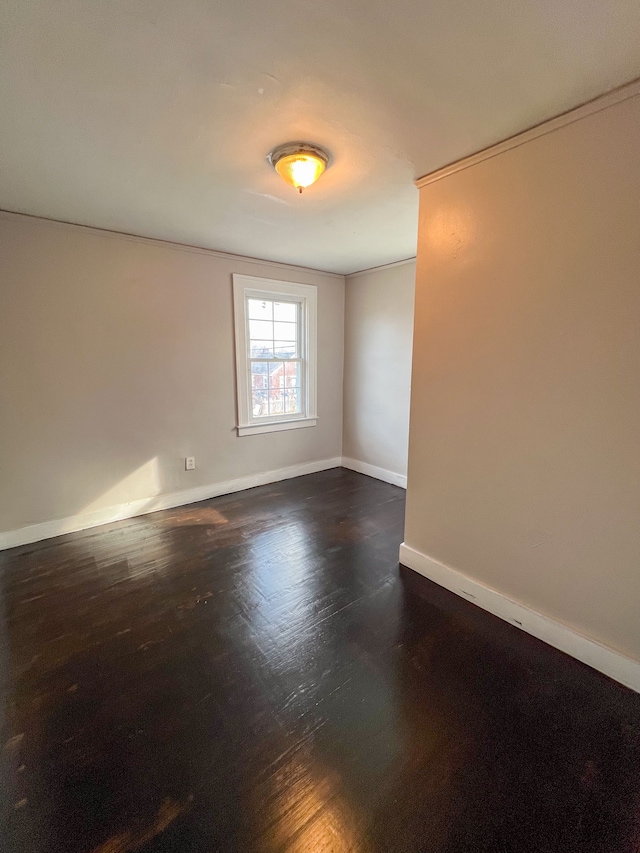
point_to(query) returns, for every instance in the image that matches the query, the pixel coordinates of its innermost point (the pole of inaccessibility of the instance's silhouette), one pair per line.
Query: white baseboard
(594, 654)
(374, 471)
(83, 521)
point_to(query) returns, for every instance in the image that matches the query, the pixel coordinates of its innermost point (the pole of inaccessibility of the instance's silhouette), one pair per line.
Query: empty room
(320, 426)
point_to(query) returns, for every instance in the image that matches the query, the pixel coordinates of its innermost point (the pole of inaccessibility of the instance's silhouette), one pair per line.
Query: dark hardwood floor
(255, 673)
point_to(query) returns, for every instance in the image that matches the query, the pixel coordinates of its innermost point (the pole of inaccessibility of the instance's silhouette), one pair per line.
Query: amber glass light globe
(299, 164)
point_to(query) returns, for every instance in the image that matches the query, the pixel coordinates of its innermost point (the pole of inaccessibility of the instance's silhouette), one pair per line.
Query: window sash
(252, 358)
(300, 362)
(301, 307)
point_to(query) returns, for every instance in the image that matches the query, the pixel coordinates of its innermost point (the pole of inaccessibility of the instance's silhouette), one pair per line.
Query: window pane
(286, 349)
(292, 401)
(292, 374)
(260, 371)
(261, 330)
(259, 404)
(261, 349)
(260, 309)
(276, 375)
(285, 331)
(259, 375)
(276, 402)
(285, 311)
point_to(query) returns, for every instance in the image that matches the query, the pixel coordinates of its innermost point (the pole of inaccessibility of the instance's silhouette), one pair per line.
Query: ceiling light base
(300, 164)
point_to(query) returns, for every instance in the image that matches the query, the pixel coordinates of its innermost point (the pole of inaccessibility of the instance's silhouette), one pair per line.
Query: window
(275, 325)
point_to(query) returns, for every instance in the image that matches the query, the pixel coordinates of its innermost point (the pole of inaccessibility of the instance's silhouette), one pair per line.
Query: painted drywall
(524, 450)
(377, 367)
(117, 361)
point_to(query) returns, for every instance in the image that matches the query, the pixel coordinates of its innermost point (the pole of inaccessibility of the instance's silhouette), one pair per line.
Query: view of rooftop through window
(274, 353)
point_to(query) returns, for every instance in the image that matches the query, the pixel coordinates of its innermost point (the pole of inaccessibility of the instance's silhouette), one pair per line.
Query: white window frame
(249, 287)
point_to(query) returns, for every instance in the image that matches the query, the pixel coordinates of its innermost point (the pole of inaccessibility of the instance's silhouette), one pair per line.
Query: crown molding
(401, 263)
(167, 244)
(603, 102)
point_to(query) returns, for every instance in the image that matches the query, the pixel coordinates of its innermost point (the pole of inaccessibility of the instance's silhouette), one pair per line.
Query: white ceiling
(155, 118)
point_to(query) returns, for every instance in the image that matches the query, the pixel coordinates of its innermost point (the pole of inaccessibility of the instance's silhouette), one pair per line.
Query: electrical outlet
(189, 463)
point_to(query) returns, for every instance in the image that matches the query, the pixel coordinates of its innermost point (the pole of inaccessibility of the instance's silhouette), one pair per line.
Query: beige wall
(377, 366)
(524, 460)
(117, 361)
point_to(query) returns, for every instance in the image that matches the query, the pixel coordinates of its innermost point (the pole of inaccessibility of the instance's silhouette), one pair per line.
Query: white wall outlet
(189, 463)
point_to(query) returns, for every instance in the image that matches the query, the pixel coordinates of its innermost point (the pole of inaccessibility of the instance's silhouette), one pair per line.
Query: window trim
(246, 287)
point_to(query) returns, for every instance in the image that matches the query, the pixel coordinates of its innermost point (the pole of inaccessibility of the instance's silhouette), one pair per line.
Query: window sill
(276, 426)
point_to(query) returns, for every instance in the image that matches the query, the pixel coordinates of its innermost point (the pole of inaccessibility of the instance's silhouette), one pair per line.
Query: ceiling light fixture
(300, 164)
